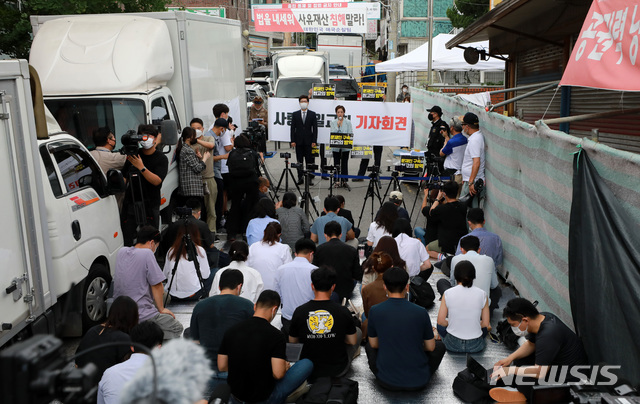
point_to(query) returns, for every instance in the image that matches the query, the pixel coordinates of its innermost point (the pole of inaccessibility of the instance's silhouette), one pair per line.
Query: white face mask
(304, 105)
(518, 331)
(147, 144)
(198, 133)
(404, 90)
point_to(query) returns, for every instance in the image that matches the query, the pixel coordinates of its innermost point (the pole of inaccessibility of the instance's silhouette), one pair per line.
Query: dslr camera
(285, 155)
(183, 212)
(130, 142)
(312, 167)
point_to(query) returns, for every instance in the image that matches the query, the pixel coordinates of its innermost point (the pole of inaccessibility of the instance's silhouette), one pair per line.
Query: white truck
(295, 71)
(345, 50)
(122, 70)
(60, 226)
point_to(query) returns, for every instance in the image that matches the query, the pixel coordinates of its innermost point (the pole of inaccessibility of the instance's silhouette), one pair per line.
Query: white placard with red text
(311, 17)
(374, 123)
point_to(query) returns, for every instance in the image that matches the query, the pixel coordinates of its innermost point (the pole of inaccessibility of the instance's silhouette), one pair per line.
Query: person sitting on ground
(263, 214)
(449, 215)
(253, 353)
(486, 276)
(346, 213)
(331, 208)
(293, 220)
(263, 188)
(186, 284)
(326, 329)
(386, 244)
(490, 243)
(549, 343)
(267, 255)
(402, 350)
(293, 281)
(396, 198)
(342, 258)
(213, 316)
(122, 317)
(374, 292)
(411, 250)
(383, 225)
(138, 276)
(148, 334)
(252, 283)
(464, 313)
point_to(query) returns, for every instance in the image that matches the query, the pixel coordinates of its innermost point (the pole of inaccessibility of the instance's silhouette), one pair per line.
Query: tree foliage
(15, 27)
(464, 12)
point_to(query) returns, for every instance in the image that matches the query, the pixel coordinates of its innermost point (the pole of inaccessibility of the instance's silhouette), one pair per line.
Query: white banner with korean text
(374, 123)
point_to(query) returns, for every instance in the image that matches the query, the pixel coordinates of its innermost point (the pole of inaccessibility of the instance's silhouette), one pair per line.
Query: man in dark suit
(341, 257)
(304, 134)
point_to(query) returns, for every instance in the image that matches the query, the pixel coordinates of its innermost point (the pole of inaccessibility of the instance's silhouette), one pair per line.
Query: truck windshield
(80, 117)
(295, 87)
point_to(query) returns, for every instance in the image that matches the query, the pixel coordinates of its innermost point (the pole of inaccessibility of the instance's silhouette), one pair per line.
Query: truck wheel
(94, 296)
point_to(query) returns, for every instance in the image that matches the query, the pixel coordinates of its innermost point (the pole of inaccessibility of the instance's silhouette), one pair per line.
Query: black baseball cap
(221, 123)
(470, 119)
(436, 109)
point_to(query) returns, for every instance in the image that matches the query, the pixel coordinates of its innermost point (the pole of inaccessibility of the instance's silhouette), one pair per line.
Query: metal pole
(430, 35)
(506, 90)
(393, 46)
(596, 115)
(529, 94)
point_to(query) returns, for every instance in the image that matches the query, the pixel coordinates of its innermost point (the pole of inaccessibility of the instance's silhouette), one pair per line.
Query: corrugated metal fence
(529, 190)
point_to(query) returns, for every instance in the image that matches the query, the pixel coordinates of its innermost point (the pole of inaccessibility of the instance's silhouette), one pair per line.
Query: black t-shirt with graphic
(322, 327)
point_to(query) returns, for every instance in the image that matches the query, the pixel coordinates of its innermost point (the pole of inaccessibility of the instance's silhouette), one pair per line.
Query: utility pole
(392, 49)
(430, 36)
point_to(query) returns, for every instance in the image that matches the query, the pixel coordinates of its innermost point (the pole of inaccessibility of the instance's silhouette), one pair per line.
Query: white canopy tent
(443, 58)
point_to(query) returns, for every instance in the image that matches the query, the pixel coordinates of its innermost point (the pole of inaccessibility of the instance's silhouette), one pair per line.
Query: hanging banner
(310, 17)
(374, 123)
(606, 52)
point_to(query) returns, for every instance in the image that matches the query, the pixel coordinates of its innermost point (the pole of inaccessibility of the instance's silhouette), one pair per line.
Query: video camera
(257, 134)
(285, 155)
(130, 141)
(399, 168)
(432, 158)
(183, 212)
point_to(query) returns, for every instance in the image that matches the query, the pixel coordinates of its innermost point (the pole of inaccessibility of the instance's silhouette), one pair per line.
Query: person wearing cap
(258, 110)
(453, 151)
(403, 94)
(473, 160)
(139, 277)
(435, 141)
(202, 145)
(396, 197)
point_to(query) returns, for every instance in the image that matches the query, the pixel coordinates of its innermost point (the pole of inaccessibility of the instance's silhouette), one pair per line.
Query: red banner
(606, 52)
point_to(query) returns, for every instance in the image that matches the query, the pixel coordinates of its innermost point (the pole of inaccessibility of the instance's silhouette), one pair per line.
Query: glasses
(257, 102)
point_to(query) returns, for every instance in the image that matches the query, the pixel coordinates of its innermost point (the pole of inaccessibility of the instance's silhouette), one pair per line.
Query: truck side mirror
(115, 182)
(169, 131)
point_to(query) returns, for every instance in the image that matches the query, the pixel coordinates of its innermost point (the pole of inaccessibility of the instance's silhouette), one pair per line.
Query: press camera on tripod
(374, 172)
(257, 134)
(285, 155)
(130, 141)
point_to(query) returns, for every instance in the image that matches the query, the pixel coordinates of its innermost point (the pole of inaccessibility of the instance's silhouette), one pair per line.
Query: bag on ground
(331, 390)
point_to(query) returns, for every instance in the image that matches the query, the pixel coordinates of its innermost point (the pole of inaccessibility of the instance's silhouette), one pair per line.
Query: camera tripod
(373, 191)
(192, 255)
(263, 169)
(396, 186)
(286, 174)
(307, 199)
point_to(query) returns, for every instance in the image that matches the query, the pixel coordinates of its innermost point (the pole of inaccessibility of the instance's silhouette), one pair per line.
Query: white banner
(374, 123)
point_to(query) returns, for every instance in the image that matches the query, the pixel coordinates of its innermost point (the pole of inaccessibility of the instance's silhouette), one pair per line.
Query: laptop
(478, 370)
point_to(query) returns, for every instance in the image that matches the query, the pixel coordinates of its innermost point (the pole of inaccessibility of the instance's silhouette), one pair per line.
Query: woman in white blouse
(341, 155)
(252, 285)
(267, 255)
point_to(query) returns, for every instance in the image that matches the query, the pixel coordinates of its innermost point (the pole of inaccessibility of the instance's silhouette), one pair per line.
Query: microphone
(221, 394)
(183, 371)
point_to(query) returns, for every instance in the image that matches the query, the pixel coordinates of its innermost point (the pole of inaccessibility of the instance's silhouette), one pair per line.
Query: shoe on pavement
(507, 395)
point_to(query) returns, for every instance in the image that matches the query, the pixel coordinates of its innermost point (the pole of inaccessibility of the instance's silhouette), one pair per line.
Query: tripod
(263, 169)
(286, 174)
(396, 186)
(192, 255)
(372, 191)
(430, 181)
(307, 199)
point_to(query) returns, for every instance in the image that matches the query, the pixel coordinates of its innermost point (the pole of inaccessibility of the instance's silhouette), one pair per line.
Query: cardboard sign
(412, 162)
(323, 91)
(362, 152)
(373, 93)
(341, 140)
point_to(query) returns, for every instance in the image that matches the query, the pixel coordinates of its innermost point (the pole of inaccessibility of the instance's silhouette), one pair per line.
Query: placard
(362, 152)
(371, 93)
(315, 151)
(341, 140)
(323, 91)
(412, 162)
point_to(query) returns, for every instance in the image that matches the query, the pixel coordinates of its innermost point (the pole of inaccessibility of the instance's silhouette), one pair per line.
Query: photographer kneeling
(192, 278)
(243, 170)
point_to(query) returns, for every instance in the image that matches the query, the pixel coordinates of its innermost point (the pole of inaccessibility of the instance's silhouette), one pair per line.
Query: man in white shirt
(293, 281)
(114, 378)
(486, 276)
(473, 161)
(411, 250)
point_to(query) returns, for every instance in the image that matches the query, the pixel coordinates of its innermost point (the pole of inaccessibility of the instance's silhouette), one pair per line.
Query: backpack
(334, 390)
(420, 292)
(470, 388)
(506, 335)
(241, 163)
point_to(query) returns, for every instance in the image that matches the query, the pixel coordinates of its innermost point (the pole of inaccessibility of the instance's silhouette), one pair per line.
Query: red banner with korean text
(310, 17)
(606, 52)
(373, 123)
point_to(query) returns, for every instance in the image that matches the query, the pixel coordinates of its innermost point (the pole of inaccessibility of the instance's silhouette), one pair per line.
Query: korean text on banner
(318, 17)
(606, 52)
(374, 123)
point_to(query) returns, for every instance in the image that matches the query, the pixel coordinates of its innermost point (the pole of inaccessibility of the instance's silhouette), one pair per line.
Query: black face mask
(430, 116)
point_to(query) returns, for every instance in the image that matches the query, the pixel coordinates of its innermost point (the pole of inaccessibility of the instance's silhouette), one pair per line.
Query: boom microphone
(183, 372)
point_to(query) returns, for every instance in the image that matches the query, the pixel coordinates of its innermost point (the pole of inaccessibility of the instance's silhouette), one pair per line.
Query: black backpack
(421, 292)
(241, 163)
(334, 390)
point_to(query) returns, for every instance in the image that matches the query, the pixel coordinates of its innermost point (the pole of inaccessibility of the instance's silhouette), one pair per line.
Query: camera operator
(243, 174)
(259, 111)
(152, 165)
(453, 151)
(105, 142)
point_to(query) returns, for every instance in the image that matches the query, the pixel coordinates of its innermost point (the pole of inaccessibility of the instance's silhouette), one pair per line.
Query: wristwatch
(441, 200)
(143, 169)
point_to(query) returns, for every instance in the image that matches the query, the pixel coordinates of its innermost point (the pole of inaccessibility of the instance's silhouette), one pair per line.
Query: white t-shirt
(252, 285)
(475, 149)
(114, 378)
(413, 252)
(486, 276)
(375, 233)
(222, 141)
(186, 281)
(266, 259)
(464, 308)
